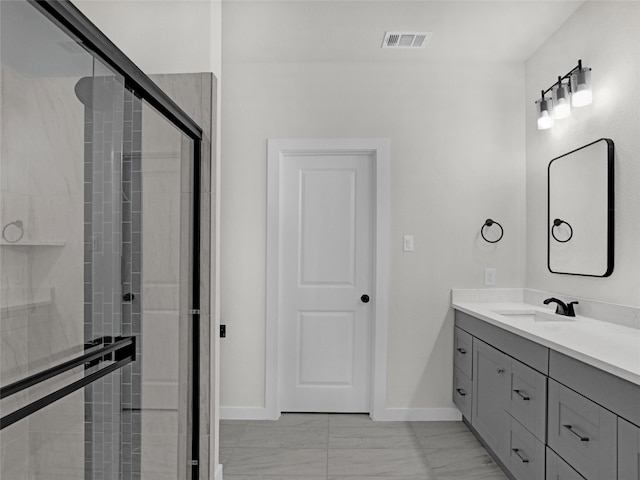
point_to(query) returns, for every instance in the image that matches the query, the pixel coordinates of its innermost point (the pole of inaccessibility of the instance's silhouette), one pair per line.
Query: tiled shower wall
(41, 300)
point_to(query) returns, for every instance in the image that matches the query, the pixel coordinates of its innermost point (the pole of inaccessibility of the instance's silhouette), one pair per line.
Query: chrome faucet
(562, 308)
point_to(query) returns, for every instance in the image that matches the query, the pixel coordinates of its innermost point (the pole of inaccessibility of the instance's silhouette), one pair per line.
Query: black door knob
(128, 297)
(365, 298)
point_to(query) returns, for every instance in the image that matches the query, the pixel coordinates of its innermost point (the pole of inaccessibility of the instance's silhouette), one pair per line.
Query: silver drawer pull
(523, 396)
(581, 437)
(517, 452)
(462, 351)
(461, 392)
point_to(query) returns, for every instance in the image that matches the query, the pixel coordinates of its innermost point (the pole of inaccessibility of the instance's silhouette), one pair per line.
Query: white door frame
(277, 151)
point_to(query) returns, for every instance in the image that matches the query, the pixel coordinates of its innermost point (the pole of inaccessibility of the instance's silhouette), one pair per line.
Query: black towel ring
(19, 225)
(556, 223)
(489, 223)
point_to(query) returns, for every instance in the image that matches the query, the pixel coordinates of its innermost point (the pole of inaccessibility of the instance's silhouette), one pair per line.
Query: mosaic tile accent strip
(111, 248)
(132, 282)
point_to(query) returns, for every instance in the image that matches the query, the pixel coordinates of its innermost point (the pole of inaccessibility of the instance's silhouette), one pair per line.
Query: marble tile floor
(351, 447)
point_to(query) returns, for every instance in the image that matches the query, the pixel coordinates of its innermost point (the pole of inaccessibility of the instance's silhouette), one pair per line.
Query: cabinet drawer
(462, 352)
(526, 453)
(528, 398)
(582, 433)
(462, 393)
(558, 469)
(628, 451)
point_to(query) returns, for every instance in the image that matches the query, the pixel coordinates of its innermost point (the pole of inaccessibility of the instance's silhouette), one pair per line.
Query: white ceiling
(352, 31)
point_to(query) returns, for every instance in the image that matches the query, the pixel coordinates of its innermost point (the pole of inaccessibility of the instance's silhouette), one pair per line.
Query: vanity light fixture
(572, 89)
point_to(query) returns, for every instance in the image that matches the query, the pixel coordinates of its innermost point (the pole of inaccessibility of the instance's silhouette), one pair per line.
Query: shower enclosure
(104, 266)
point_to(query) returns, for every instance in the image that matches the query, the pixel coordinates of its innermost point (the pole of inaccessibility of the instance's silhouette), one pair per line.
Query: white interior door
(326, 256)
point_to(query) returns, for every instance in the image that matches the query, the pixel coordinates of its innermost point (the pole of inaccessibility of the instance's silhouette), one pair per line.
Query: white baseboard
(418, 415)
(245, 413)
(386, 415)
(218, 475)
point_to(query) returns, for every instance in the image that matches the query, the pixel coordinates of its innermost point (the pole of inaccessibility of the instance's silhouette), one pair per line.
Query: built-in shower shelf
(43, 243)
(20, 300)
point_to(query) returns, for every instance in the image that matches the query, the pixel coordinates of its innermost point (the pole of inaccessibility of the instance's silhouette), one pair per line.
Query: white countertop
(607, 346)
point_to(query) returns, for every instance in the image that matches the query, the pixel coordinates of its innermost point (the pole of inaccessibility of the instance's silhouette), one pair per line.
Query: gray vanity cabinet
(544, 415)
(628, 451)
(491, 381)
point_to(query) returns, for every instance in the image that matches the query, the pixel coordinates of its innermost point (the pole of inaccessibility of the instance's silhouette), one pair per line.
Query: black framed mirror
(580, 213)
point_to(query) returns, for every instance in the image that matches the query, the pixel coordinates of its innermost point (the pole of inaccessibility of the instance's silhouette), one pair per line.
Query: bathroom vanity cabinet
(543, 414)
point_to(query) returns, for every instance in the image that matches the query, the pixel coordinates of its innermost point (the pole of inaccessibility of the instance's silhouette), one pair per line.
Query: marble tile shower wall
(41, 311)
(195, 94)
(165, 371)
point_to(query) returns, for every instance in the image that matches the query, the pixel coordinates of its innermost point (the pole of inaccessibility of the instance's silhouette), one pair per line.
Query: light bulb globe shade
(561, 104)
(545, 119)
(580, 99)
(561, 110)
(581, 92)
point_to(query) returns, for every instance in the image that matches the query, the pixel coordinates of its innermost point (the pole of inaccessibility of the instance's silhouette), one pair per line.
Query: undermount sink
(534, 316)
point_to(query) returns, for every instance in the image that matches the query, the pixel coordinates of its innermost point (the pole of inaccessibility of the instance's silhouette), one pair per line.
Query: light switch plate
(407, 243)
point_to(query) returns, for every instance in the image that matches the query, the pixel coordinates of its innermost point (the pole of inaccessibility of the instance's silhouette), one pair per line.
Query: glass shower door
(48, 80)
(95, 267)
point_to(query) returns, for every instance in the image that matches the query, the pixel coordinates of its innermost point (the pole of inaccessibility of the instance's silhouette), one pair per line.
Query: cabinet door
(628, 451)
(582, 433)
(490, 395)
(558, 469)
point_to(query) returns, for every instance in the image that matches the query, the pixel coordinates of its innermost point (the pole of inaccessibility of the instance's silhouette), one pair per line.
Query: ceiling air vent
(405, 39)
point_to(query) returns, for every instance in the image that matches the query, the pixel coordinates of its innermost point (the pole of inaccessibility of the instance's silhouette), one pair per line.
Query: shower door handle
(119, 351)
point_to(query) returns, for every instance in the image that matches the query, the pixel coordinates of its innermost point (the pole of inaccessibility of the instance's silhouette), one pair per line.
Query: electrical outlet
(490, 276)
(407, 243)
(223, 331)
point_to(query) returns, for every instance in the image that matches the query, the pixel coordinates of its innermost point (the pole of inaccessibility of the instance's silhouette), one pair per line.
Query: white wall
(457, 158)
(173, 36)
(606, 36)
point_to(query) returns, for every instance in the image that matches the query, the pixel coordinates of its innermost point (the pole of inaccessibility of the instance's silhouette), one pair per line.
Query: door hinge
(192, 463)
(194, 312)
